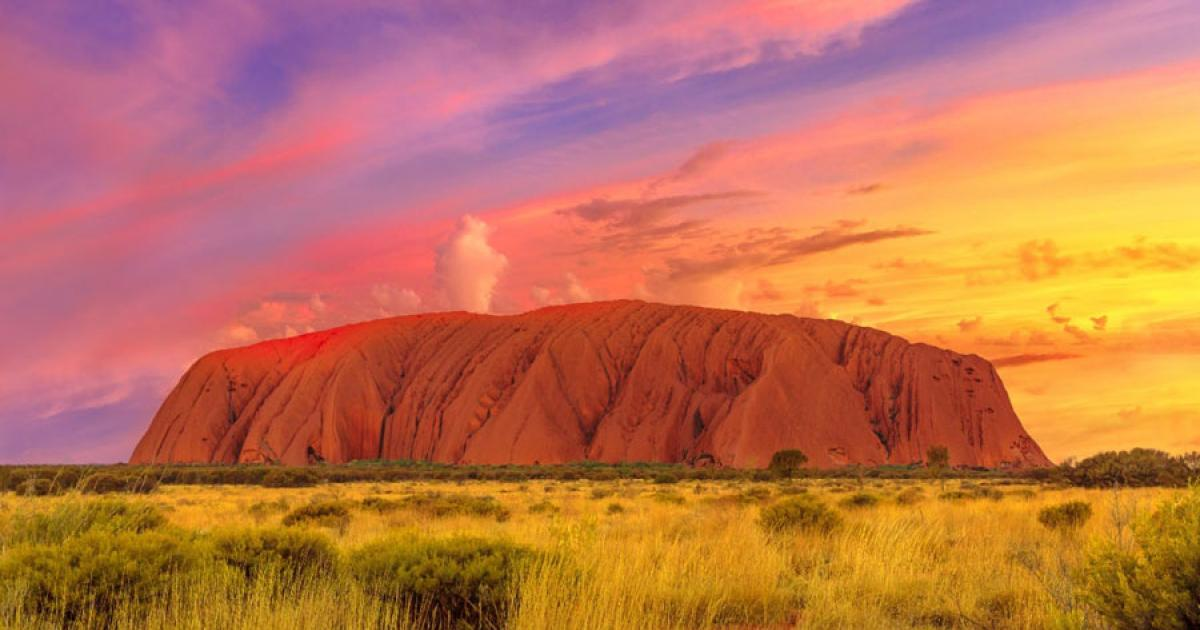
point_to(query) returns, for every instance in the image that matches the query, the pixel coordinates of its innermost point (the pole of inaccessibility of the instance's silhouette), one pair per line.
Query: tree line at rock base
(1134, 468)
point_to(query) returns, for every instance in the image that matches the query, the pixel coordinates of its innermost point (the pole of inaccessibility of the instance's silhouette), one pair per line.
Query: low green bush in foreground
(859, 500)
(1155, 583)
(438, 505)
(463, 582)
(292, 554)
(88, 578)
(332, 514)
(1067, 516)
(799, 513)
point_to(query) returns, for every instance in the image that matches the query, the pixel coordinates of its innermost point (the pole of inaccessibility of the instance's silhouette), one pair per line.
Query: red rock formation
(611, 381)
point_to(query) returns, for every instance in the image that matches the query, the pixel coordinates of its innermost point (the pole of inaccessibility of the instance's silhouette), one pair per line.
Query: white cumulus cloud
(468, 268)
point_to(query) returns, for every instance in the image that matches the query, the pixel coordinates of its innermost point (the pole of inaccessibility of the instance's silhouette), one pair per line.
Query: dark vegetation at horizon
(1134, 468)
(94, 561)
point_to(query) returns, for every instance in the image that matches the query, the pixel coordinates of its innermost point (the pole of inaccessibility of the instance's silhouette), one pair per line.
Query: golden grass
(687, 555)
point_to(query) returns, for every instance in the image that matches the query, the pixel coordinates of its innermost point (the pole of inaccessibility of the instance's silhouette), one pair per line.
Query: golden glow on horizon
(1083, 195)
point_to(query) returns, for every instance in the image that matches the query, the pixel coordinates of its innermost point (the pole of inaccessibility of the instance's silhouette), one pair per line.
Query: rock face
(609, 381)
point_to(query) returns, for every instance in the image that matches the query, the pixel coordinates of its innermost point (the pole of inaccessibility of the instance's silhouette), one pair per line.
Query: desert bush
(105, 483)
(289, 478)
(380, 504)
(333, 513)
(798, 513)
(102, 483)
(75, 518)
(669, 497)
(910, 496)
(601, 493)
(615, 508)
(1156, 582)
(606, 474)
(970, 491)
(997, 610)
(88, 578)
(1065, 516)
(792, 489)
(756, 494)
(859, 500)
(991, 494)
(463, 582)
(37, 488)
(666, 478)
(762, 475)
(543, 507)
(260, 510)
(292, 554)
(438, 505)
(1135, 467)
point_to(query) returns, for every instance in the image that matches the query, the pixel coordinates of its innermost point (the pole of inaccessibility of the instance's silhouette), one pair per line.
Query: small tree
(788, 462)
(937, 459)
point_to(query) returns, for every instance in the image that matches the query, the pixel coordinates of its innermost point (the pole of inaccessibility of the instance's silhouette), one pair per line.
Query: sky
(1017, 179)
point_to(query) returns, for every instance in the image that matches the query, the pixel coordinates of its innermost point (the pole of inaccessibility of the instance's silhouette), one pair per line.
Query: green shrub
(666, 478)
(910, 496)
(756, 494)
(438, 505)
(260, 510)
(293, 554)
(380, 504)
(991, 494)
(1066, 516)
(601, 493)
(289, 478)
(88, 578)
(333, 514)
(798, 513)
(75, 518)
(1155, 584)
(37, 488)
(669, 497)
(1135, 467)
(859, 500)
(461, 581)
(543, 507)
(615, 508)
(105, 483)
(969, 491)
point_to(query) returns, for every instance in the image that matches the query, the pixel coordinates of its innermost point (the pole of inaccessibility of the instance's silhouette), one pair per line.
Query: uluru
(608, 381)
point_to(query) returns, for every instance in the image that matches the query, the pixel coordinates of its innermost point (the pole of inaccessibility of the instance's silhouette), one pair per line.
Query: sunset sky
(1016, 179)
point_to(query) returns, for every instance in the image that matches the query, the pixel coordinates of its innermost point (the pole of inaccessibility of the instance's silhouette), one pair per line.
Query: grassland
(627, 554)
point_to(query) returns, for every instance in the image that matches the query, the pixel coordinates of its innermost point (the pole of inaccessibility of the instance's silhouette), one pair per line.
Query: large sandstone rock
(611, 381)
